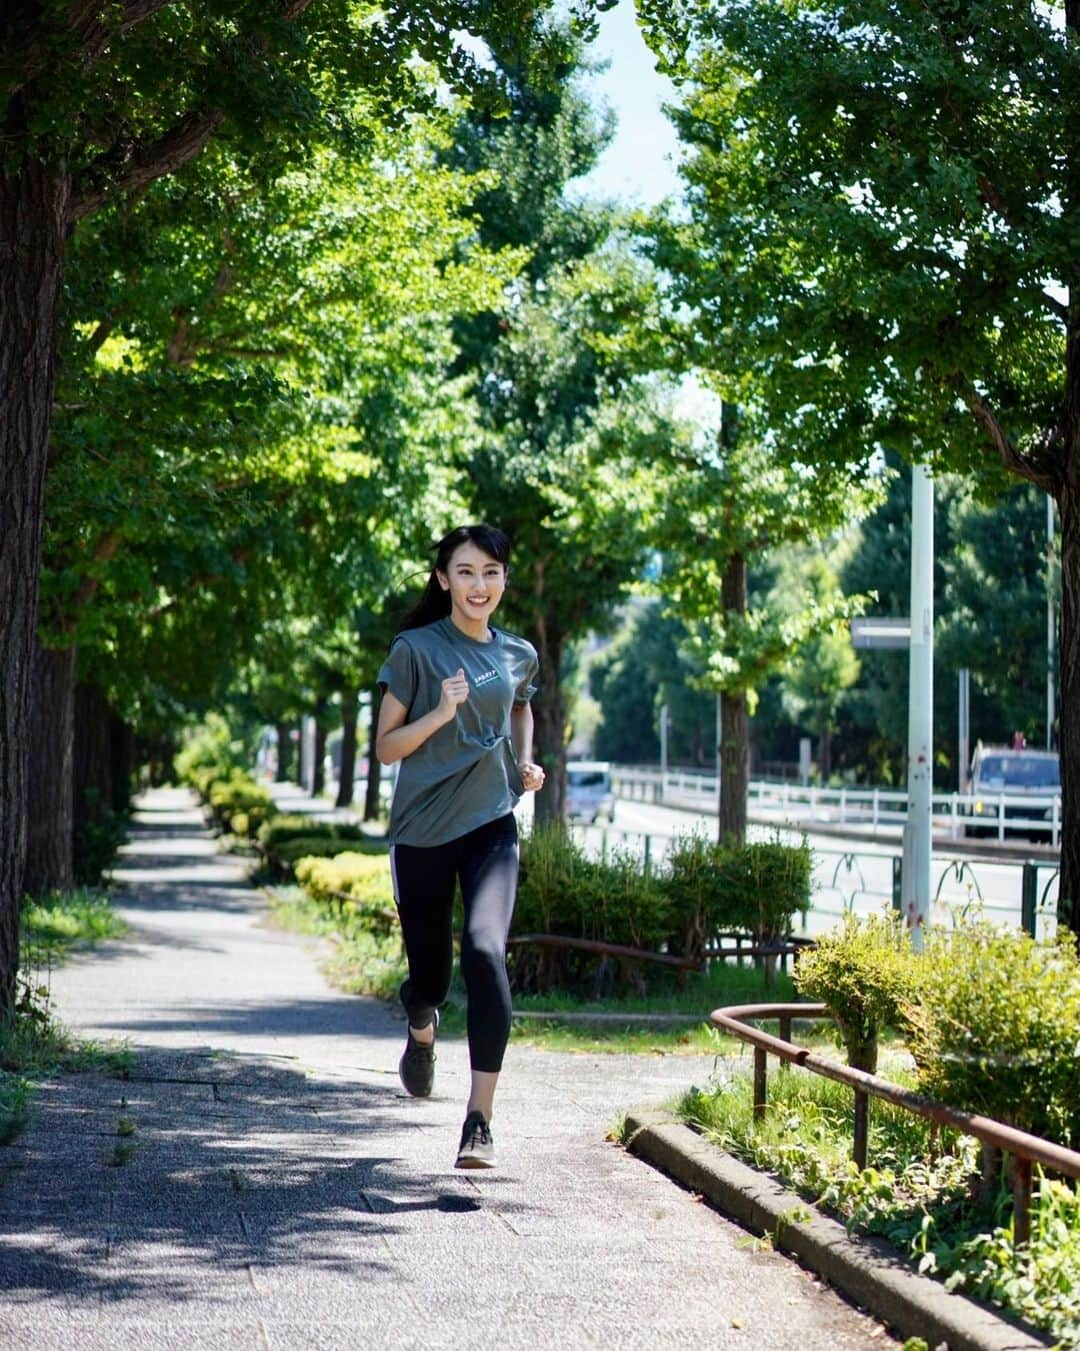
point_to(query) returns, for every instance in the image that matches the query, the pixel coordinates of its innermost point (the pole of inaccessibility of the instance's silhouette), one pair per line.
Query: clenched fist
(532, 776)
(455, 690)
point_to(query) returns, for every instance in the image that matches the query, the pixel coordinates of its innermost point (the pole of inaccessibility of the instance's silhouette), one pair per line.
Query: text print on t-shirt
(485, 679)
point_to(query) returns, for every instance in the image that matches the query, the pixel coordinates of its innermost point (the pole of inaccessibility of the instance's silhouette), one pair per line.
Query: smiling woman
(455, 714)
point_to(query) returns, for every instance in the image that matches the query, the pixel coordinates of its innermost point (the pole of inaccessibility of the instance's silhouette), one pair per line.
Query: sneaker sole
(470, 1162)
(425, 1094)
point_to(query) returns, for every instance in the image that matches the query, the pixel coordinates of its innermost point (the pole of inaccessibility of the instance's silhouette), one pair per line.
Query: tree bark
(124, 759)
(347, 772)
(372, 799)
(93, 747)
(549, 717)
(33, 207)
(1068, 500)
(734, 767)
(318, 769)
(284, 751)
(825, 752)
(1069, 677)
(734, 722)
(50, 779)
(92, 793)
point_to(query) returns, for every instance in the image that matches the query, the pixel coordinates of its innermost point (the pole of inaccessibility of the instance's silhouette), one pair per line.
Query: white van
(588, 791)
(1029, 779)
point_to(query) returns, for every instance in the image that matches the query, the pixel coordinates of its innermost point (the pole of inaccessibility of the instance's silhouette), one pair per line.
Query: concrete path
(282, 1192)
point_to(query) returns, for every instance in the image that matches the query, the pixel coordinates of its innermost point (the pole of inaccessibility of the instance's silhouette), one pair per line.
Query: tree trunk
(50, 778)
(124, 759)
(734, 766)
(92, 793)
(318, 769)
(347, 772)
(284, 751)
(825, 752)
(1069, 703)
(372, 800)
(734, 722)
(33, 205)
(549, 717)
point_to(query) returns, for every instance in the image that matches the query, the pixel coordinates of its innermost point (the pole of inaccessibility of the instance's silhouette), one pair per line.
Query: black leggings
(486, 861)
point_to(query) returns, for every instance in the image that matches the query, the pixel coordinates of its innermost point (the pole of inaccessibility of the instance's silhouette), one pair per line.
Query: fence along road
(855, 874)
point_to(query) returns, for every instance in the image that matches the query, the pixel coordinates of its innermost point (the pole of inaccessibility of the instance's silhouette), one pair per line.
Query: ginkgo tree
(888, 229)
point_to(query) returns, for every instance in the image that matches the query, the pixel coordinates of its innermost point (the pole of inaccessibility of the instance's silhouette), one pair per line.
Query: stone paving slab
(281, 1191)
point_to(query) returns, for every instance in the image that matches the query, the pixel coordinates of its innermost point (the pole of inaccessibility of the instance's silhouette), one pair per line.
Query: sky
(639, 166)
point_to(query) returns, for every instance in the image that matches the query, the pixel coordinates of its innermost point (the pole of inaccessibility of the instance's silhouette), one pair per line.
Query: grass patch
(921, 1192)
(627, 1027)
(362, 964)
(57, 924)
(33, 1043)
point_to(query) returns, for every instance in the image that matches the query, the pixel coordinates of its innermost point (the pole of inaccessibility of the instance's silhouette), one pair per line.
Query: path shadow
(236, 1163)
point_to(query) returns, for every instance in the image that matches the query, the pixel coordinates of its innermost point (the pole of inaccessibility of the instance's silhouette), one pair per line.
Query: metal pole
(917, 837)
(663, 749)
(963, 749)
(1050, 626)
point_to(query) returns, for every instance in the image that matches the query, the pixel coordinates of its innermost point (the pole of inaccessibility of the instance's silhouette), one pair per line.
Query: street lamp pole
(917, 831)
(1051, 645)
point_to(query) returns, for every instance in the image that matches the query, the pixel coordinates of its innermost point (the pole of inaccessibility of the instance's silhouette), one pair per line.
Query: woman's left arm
(521, 738)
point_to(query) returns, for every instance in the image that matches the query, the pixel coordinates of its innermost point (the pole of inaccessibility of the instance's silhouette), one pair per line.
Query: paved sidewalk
(284, 1193)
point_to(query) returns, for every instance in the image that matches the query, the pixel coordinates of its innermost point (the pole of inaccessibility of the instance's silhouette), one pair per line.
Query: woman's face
(476, 583)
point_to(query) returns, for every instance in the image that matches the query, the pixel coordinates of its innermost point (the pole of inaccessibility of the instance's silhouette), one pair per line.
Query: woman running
(455, 713)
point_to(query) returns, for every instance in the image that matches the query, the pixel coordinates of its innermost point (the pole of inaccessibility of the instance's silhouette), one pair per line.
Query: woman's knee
(483, 959)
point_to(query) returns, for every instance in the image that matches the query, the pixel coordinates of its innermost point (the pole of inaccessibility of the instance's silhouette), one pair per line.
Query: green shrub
(310, 846)
(694, 899)
(279, 829)
(209, 755)
(561, 891)
(865, 973)
(996, 1027)
(240, 794)
(715, 888)
(356, 888)
(763, 885)
(287, 837)
(553, 869)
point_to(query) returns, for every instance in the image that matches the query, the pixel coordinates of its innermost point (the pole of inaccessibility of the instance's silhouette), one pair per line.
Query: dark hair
(435, 602)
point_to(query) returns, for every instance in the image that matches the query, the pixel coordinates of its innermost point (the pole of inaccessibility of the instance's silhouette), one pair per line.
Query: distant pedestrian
(455, 713)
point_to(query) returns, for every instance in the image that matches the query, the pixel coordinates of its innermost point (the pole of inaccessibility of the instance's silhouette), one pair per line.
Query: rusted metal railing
(1026, 1150)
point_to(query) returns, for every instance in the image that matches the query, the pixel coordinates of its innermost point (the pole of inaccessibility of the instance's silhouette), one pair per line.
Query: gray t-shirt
(465, 774)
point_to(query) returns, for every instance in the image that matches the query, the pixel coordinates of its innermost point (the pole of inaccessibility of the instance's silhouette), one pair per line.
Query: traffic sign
(881, 633)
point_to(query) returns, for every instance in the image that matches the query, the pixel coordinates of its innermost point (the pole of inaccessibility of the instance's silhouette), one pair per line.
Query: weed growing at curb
(921, 1194)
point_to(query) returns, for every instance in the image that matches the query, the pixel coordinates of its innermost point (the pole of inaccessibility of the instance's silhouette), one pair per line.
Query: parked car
(588, 791)
(1030, 780)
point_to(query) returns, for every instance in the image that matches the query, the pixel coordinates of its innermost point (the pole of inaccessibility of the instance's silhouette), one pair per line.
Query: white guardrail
(988, 815)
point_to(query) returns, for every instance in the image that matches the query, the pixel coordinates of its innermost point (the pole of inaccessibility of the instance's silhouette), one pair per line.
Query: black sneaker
(477, 1149)
(417, 1066)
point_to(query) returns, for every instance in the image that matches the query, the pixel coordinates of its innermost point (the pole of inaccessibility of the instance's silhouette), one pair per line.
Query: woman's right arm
(395, 739)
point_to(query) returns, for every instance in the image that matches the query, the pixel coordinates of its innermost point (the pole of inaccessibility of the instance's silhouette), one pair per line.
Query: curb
(868, 1271)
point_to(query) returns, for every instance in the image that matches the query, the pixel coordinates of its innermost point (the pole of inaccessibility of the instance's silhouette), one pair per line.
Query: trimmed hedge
(286, 838)
(239, 804)
(356, 888)
(705, 890)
